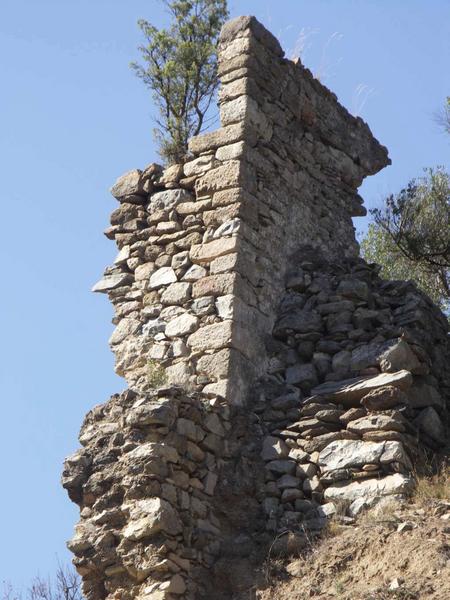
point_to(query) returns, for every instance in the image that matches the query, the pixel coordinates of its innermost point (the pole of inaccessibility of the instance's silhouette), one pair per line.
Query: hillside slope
(397, 554)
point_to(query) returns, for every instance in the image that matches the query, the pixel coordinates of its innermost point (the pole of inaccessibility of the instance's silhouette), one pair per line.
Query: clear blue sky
(73, 118)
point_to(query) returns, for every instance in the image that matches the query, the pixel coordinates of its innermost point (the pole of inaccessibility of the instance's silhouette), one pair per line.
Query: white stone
(369, 488)
(342, 454)
(228, 228)
(176, 293)
(182, 325)
(163, 276)
(194, 273)
(224, 306)
(150, 516)
(165, 201)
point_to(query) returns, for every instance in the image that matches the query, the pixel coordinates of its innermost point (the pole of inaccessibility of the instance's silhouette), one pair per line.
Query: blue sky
(73, 117)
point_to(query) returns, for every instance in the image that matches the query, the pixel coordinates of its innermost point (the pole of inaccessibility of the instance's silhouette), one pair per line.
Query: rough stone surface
(272, 374)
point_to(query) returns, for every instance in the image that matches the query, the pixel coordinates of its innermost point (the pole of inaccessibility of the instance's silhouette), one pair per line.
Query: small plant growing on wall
(180, 68)
(156, 374)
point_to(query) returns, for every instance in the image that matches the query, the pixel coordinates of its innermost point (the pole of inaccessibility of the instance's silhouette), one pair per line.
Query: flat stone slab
(342, 454)
(369, 488)
(350, 391)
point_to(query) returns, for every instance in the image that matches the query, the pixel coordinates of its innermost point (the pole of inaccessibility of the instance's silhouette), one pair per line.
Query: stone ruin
(274, 378)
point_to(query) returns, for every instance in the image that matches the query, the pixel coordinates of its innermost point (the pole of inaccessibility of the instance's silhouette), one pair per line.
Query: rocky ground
(395, 553)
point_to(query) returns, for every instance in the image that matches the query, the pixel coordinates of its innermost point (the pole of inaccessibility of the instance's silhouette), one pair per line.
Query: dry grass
(434, 486)
(402, 593)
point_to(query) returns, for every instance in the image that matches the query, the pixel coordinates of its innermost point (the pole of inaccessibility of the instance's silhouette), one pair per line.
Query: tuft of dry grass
(435, 486)
(156, 374)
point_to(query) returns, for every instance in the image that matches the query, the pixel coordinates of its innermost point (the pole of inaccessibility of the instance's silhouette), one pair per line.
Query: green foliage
(410, 236)
(180, 67)
(156, 374)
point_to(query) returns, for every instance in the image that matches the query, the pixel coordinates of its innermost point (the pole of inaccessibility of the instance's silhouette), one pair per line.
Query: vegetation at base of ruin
(156, 374)
(180, 68)
(410, 236)
(433, 485)
(66, 585)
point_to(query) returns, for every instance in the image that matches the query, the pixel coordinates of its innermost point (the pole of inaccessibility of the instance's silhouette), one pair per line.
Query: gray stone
(274, 448)
(281, 466)
(377, 422)
(350, 391)
(354, 289)
(111, 282)
(301, 321)
(167, 200)
(384, 398)
(302, 375)
(399, 356)
(421, 395)
(288, 481)
(429, 423)
(128, 184)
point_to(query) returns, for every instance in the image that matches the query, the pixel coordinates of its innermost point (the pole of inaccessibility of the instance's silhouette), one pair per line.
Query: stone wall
(196, 285)
(273, 376)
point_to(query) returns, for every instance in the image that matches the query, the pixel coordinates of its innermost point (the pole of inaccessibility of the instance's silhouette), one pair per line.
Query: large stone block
(211, 337)
(205, 253)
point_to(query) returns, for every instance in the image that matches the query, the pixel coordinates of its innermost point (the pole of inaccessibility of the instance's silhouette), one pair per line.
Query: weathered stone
(305, 375)
(281, 466)
(163, 276)
(300, 322)
(125, 328)
(128, 184)
(214, 365)
(384, 398)
(369, 488)
(214, 285)
(194, 273)
(350, 391)
(377, 422)
(274, 448)
(167, 200)
(150, 516)
(342, 454)
(211, 337)
(176, 293)
(182, 325)
(111, 282)
(146, 412)
(421, 395)
(205, 253)
(429, 423)
(353, 289)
